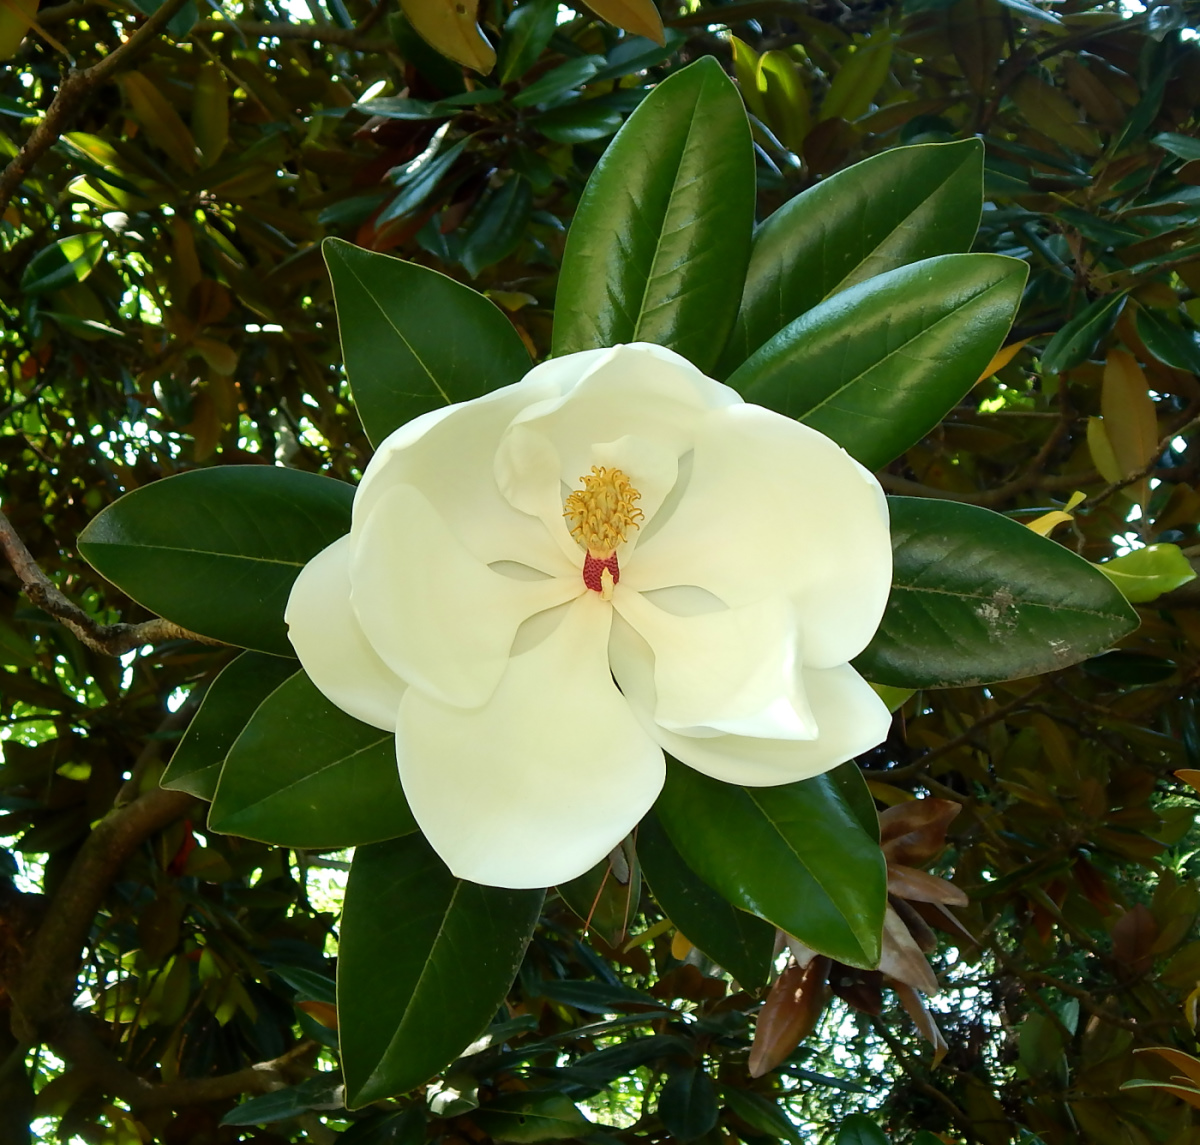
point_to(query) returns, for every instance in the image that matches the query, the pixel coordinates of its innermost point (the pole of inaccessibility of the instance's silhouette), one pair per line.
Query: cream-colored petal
(850, 719)
(542, 782)
(438, 617)
(775, 508)
(331, 645)
(530, 475)
(449, 455)
(734, 670)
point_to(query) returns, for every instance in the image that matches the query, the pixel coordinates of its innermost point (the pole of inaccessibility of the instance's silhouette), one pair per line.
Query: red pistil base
(593, 567)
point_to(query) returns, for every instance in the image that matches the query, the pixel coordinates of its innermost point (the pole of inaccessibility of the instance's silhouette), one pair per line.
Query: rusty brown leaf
(788, 1015)
(914, 833)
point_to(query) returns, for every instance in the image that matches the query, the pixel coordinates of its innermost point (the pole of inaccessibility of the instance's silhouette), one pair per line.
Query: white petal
(638, 391)
(850, 719)
(449, 455)
(331, 645)
(438, 617)
(773, 507)
(733, 670)
(542, 782)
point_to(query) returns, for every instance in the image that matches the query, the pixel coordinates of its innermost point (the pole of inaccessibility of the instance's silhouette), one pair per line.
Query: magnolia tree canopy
(620, 574)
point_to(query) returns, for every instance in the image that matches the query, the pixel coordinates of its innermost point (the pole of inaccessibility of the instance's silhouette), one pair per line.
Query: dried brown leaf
(909, 883)
(923, 1020)
(914, 833)
(788, 1015)
(901, 959)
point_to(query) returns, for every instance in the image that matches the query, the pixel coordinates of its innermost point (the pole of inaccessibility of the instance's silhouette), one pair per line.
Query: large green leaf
(659, 245)
(227, 707)
(305, 774)
(413, 339)
(794, 855)
(978, 598)
(907, 204)
(63, 263)
(216, 550)
(532, 1116)
(424, 962)
(877, 366)
(741, 943)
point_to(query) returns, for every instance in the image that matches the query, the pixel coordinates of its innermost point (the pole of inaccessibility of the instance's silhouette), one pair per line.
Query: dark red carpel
(593, 568)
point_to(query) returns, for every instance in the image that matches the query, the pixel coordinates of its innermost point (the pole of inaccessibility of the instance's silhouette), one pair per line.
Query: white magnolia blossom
(547, 587)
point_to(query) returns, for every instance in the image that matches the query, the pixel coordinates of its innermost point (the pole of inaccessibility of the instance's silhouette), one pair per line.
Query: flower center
(599, 515)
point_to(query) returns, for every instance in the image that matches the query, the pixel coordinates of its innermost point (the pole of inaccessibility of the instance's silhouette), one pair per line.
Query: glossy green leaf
(1185, 147)
(687, 1103)
(527, 31)
(498, 226)
(424, 962)
(574, 73)
(859, 1129)
(852, 787)
(978, 598)
(228, 704)
(531, 1116)
(1168, 341)
(1145, 574)
(216, 550)
(795, 855)
(878, 365)
(304, 774)
(1080, 335)
(637, 53)
(63, 263)
(659, 244)
(414, 339)
(737, 941)
(904, 205)
(322, 1092)
(580, 122)
(761, 1113)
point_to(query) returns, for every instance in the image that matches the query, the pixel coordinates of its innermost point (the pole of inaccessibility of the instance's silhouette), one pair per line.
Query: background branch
(111, 639)
(72, 95)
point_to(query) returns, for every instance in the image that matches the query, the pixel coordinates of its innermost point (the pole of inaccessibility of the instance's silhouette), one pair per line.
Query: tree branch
(46, 986)
(111, 639)
(76, 1041)
(351, 38)
(72, 95)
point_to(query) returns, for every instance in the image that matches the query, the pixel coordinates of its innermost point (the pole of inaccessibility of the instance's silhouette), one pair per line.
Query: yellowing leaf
(893, 697)
(1001, 359)
(745, 68)
(680, 947)
(450, 27)
(1047, 522)
(219, 355)
(1053, 114)
(1099, 446)
(783, 90)
(858, 80)
(210, 112)
(16, 18)
(1145, 574)
(1130, 420)
(1191, 777)
(639, 17)
(159, 119)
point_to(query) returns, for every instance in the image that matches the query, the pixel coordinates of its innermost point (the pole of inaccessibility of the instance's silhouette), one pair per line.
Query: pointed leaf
(687, 1104)
(737, 941)
(904, 205)
(658, 246)
(794, 855)
(640, 17)
(789, 1014)
(62, 263)
(216, 550)
(228, 704)
(425, 960)
(977, 598)
(1145, 574)
(304, 774)
(877, 366)
(1080, 336)
(414, 339)
(450, 26)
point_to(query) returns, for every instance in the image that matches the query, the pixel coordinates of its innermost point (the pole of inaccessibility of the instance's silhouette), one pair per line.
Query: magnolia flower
(547, 587)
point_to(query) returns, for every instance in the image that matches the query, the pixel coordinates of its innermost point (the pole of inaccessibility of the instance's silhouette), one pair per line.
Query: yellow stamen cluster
(600, 514)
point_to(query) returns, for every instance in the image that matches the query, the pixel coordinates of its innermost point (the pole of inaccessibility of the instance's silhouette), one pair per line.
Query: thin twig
(111, 639)
(73, 94)
(350, 38)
